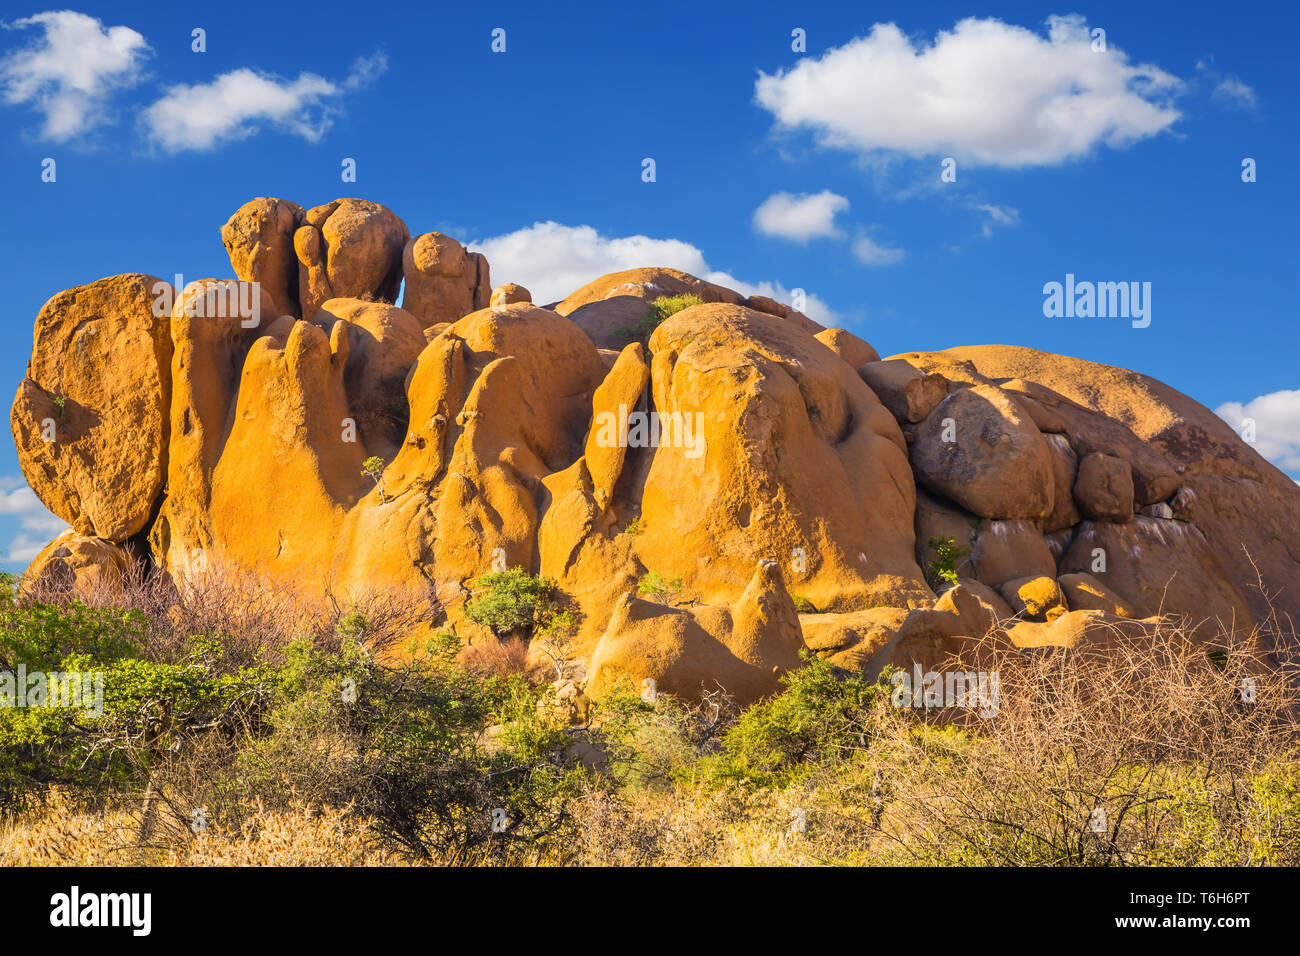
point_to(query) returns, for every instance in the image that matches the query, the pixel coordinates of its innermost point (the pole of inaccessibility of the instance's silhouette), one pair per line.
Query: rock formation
(797, 493)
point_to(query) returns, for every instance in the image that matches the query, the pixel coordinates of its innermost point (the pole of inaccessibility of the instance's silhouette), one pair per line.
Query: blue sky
(775, 169)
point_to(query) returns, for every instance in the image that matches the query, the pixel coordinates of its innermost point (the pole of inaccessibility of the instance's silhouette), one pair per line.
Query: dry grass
(1148, 748)
(254, 616)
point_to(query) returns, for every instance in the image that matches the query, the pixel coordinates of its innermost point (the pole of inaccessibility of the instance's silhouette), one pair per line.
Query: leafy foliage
(658, 311)
(654, 585)
(942, 571)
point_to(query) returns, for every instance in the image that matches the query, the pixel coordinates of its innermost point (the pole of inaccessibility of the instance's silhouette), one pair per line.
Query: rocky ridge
(807, 493)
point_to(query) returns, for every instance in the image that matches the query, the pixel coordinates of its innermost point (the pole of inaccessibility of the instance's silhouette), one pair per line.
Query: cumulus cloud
(237, 104)
(800, 217)
(1277, 426)
(551, 260)
(71, 69)
(985, 92)
(38, 526)
(869, 252)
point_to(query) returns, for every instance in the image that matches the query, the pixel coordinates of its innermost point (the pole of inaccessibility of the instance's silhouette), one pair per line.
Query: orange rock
(978, 449)
(90, 419)
(847, 346)
(908, 392)
(509, 294)
(383, 344)
(1005, 550)
(79, 564)
(1104, 488)
(259, 241)
(207, 357)
(621, 300)
(743, 649)
(1165, 566)
(1084, 592)
(790, 457)
(444, 282)
(1035, 598)
(349, 248)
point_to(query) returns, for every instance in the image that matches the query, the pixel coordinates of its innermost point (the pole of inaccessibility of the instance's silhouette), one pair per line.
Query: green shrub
(942, 571)
(427, 751)
(516, 603)
(654, 585)
(817, 718)
(802, 604)
(658, 310)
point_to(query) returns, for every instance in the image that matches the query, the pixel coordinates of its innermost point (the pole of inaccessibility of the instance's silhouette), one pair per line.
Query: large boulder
(1104, 488)
(1167, 567)
(1005, 550)
(1065, 467)
(90, 420)
(207, 359)
(383, 344)
(259, 241)
(979, 449)
(790, 457)
(444, 281)
(349, 248)
(1175, 445)
(1086, 592)
(847, 346)
(910, 393)
(742, 649)
(77, 564)
(499, 401)
(609, 307)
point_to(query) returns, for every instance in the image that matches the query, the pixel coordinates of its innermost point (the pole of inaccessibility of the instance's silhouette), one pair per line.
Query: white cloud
(871, 253)
(1277, 426)
(69, 72)
(234, 106)
(985, 92)
(1234, 92)
(800, 217)
(38, 526)
(551, 260)
(21, 502)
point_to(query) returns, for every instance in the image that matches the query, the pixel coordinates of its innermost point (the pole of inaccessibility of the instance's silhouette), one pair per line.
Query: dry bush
(254, 617)
(1155, 751)
(502, 658)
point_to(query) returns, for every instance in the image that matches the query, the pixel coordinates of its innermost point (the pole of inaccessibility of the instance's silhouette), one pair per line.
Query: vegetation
(270, 736)
(658, 310)
(655, 586)
(373, 468)
(802, 604)
(517, 604)
(942, 572)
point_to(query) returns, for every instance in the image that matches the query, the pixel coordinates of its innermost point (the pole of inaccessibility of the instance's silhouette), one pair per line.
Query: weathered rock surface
(295, 422)
(444, 281)
(978, 448)
(259, 241)
(76, 563)
(90, 419)
(349, 248)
